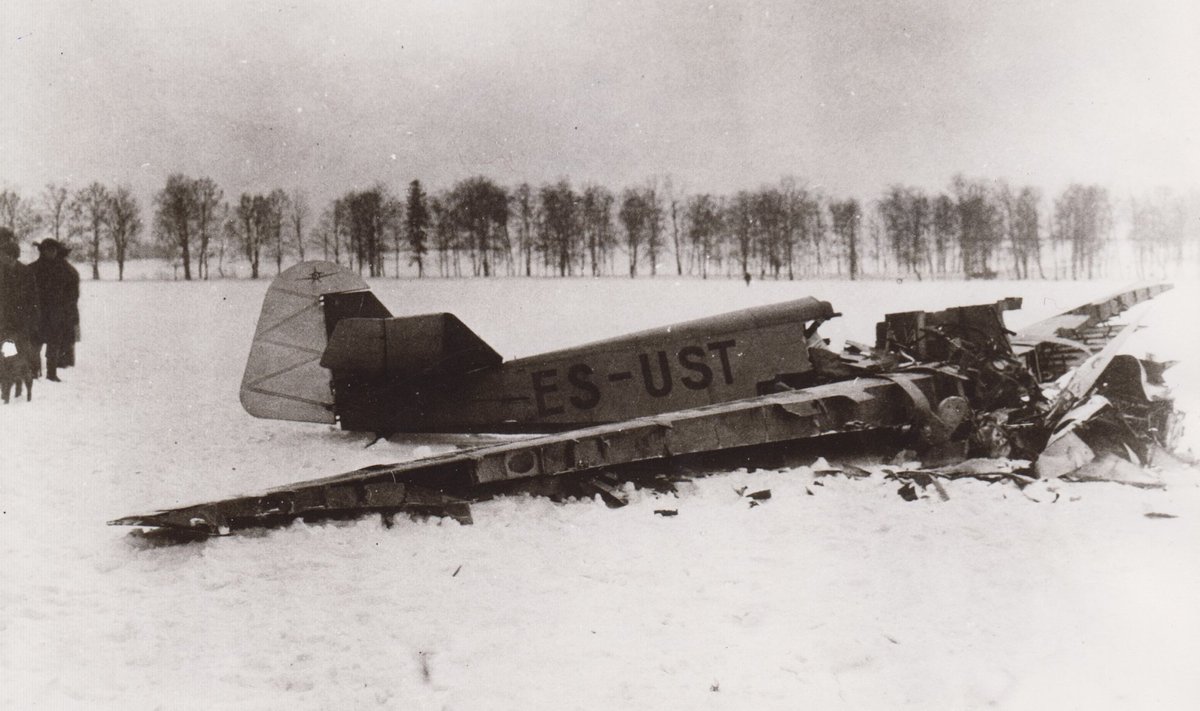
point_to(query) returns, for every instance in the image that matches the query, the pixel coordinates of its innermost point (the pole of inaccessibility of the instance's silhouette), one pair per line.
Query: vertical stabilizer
(284, 379)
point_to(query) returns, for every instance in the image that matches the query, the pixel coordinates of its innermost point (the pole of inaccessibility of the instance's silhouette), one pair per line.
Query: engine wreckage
(953, 389)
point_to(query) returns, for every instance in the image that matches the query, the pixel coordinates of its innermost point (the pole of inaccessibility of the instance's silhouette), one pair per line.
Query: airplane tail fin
(284, 378)
(326, 350)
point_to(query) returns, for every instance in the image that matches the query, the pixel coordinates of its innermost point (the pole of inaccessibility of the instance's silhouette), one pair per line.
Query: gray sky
(844, 94)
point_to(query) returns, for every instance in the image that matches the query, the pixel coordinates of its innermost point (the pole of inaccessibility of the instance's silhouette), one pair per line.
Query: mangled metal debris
(950, 387)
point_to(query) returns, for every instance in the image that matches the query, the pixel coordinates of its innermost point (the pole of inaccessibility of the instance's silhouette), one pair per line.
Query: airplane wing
(441, 482)
(1055, 345)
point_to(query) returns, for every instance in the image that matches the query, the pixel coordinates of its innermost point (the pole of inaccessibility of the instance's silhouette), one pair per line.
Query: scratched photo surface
(834, 593)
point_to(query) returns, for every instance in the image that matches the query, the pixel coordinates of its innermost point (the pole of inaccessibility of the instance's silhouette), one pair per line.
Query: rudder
(284, 379)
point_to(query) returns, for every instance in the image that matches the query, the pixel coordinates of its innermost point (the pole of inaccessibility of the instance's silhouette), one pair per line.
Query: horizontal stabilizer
(431, 344)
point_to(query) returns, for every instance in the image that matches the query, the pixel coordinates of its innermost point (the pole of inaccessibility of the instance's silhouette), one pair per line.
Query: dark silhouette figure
(18, 298)
(58, 305)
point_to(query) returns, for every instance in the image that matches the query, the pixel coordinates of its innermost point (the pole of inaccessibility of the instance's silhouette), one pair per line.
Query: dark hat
(51, 243)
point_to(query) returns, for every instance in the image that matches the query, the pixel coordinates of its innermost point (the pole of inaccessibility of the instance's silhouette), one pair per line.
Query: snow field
(1064, 595)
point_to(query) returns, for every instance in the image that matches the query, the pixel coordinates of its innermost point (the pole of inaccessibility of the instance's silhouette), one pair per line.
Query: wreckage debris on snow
(955, 389)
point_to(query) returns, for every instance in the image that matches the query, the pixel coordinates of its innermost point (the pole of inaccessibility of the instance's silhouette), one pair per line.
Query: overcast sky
(848, 95)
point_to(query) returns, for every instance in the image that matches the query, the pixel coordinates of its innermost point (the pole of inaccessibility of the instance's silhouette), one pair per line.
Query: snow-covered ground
(849, 597)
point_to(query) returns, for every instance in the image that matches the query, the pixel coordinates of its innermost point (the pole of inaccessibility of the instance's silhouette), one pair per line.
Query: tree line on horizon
(975, 228)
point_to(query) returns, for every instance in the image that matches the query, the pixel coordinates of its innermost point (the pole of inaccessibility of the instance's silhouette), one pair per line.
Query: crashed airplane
(947, 386)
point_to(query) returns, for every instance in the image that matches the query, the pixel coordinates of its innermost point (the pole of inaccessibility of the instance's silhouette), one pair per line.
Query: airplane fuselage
(687, 365)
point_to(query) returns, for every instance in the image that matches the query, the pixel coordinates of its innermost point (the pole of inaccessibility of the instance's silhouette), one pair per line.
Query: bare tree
(17, 214)
(703, 229)
(207, 201)
(654, 224)
(675, 212)
(175, 214)
(769, 224)
(252, 220)
(480, 208)
(633, 216)
(596, 219)
(393, 224)
(1025, 229)
(10, 204)
(365, 223)
(297, 217)
(56, 208)
(796, 208)
(125, 224)
(524, 209)
(330, 229)
(944, 228)
(560, 224)
(275, 206)
(1158, 232)
(90, 206)
(739, 221)
(846, 215)
(805, 224)
(1083, 220)
(979, 225)
(907, 217)
(229, 236)
(445, 233)
(416, 222)
(878, 250)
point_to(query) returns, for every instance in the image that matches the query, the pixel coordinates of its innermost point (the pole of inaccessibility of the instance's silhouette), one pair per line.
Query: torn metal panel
(1121, 415)
(1064, 455)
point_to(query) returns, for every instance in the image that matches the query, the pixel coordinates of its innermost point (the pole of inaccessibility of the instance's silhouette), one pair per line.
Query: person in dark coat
(18, 297)
(58, 305)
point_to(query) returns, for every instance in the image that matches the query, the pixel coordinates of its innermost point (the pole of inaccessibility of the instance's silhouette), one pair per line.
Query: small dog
(14, 370)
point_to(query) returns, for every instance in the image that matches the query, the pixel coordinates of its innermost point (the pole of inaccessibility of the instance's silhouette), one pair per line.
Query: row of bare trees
(195, 223)
(96, 216)
(974, 228)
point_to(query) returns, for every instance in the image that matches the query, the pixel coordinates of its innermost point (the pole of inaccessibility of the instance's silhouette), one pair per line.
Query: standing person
(58, 305)
(18, 297)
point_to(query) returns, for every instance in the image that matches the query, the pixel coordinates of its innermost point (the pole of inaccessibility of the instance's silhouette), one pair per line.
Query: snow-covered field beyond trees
(849, 598)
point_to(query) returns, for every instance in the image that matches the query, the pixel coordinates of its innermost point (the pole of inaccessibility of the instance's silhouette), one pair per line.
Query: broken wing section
(1053, 346)
(444, 484)
(284, 379)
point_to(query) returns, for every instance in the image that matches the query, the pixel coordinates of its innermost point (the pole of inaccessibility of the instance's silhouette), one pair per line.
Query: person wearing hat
(58, 305)
(18, 297)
